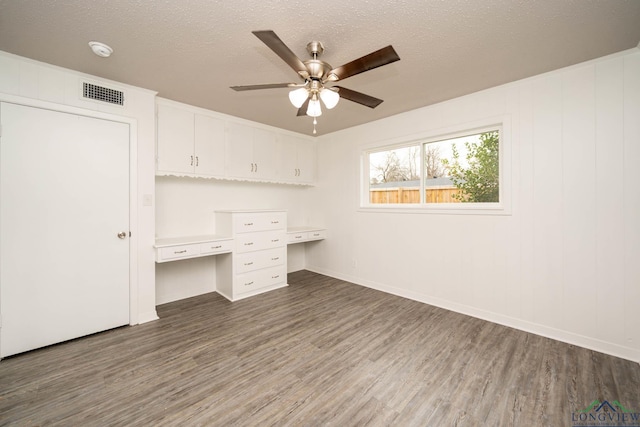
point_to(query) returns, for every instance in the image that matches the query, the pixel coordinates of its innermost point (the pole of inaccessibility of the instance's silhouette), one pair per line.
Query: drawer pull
(275, 277)
(248, 263)
(248, 224)
(248, 284)
(316, 234)
(180, 252)
(298, 237)
(216, 247)
(275, 222)
(248, 244)
(275, 259)
(275, 241)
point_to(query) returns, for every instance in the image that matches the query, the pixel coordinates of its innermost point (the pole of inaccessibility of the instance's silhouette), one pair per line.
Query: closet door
(64, 221)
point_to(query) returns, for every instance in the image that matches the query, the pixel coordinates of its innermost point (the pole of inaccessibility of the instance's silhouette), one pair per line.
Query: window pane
(394, 176)
(463, 170)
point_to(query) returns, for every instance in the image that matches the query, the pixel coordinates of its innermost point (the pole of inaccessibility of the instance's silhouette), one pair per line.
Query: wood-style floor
(320, 352)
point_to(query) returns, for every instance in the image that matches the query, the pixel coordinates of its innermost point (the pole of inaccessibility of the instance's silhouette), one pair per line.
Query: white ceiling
(193, 50)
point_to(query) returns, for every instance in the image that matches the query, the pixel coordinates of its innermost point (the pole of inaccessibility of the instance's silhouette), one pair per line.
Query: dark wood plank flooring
(320, 352)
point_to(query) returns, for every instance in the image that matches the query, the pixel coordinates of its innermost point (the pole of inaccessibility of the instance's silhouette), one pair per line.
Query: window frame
(503, 207)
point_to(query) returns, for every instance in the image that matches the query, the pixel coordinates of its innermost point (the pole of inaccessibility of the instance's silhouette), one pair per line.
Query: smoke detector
(101, 49)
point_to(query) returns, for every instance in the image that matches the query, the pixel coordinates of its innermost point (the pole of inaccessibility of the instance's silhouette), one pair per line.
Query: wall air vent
(104, 94)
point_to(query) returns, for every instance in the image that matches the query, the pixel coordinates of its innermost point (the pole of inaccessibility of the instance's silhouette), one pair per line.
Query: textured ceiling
(193, 50)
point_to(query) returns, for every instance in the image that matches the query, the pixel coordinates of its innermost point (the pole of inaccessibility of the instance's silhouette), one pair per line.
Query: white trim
(590, 343)
(502, 122)
(134, 317)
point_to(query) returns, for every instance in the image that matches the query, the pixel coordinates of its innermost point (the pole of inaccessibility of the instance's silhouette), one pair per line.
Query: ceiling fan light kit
(316, 73)
(298, 96)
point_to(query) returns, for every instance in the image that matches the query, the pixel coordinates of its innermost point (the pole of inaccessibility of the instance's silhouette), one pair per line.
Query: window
(456, 171)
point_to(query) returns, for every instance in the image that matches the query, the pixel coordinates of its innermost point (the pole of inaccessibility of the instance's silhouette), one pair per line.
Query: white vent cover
(101, 93)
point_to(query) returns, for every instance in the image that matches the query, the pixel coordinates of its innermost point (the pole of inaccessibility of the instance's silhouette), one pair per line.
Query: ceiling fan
(316, 74)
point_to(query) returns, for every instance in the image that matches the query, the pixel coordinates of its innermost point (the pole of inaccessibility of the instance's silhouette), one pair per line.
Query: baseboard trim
(590, 343)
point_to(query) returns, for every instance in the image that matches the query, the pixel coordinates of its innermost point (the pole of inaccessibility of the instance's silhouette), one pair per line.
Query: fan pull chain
(315, 122)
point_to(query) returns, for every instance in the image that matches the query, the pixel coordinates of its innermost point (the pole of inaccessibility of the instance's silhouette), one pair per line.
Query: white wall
(565, 263)
(186, 206)
(32, 80)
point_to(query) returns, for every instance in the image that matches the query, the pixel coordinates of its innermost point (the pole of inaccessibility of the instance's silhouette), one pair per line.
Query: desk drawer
(218, 247)
(182, 251)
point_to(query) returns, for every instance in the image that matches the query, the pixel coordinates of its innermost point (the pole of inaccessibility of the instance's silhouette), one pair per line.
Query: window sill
(441, 209)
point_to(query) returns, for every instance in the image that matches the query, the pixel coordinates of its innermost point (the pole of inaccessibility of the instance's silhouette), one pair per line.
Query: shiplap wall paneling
(547, 201)
(631, 183)
(523, 204)
(578, 200)
(609, 195)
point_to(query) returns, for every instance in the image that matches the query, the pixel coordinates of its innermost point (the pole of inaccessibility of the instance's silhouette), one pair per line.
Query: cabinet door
(175, 140)
(239, 151)
(306, 161)
(265, 153)
(209, 146)
(288, 171)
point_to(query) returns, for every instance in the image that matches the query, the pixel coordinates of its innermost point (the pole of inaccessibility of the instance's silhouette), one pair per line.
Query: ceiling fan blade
(360, 98)
(376, 59)
(266, 86)
(302, 111)
(274, 43)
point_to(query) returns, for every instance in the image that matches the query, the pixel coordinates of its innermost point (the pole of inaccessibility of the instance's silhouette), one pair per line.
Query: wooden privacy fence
(412, 195)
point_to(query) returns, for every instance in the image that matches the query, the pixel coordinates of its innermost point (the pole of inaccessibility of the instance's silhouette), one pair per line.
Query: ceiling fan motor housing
(317, 69)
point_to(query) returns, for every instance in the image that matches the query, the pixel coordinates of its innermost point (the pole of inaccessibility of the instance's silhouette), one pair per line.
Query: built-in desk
(176, 248)
(305, 234)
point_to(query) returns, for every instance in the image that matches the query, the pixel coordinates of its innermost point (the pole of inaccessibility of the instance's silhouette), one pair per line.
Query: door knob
(122, 234)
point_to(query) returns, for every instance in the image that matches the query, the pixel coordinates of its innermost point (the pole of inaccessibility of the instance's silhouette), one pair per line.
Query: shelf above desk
(177, 248)
(305, 234)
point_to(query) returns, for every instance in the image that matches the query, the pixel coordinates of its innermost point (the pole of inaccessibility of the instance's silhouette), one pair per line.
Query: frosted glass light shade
(330, 98)
(298, 96)
(314, 109)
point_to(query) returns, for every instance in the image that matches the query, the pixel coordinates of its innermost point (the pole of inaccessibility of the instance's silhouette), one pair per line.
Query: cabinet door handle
(251, 167)
(256, 167)
(191, 160)
(196, 160)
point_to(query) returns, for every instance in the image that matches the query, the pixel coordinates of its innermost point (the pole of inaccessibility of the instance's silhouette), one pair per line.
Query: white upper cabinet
(251, 152)
(298, 162)
(194, 142)
(265, 153)
(175, 140)
(190, 143)
(209, 143)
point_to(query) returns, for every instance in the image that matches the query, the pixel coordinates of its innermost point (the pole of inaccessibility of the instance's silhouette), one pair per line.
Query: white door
(64, 197)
